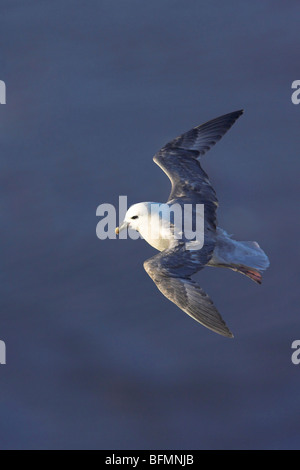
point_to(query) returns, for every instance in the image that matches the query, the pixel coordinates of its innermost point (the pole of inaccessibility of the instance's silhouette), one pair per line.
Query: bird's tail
(244, 257)
(250, 260)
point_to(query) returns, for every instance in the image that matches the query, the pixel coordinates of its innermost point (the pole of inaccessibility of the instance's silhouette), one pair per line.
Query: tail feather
(244, 257)
(251, 255)
(253, 274)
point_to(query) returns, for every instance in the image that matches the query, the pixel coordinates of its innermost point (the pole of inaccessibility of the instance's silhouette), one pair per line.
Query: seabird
(175, 264)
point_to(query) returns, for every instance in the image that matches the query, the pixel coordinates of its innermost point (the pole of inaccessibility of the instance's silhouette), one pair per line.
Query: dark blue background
(97, 357)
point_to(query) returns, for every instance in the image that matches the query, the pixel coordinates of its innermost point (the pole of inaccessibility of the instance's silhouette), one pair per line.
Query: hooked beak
(122, 227)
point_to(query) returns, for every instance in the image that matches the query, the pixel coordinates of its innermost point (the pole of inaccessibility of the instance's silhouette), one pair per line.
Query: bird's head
(136, 216)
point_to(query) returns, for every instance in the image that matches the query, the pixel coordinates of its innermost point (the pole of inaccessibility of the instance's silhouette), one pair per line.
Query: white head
(145, 218)
(136, 216)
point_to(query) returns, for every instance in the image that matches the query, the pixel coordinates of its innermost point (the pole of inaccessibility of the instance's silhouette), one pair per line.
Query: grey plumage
(171, 269)
(177, 261)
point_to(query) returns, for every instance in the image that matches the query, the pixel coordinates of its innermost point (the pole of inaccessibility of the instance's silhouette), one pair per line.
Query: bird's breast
(158, 232)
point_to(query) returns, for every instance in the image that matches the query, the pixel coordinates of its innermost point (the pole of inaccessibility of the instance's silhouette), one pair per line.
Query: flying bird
(177, 261)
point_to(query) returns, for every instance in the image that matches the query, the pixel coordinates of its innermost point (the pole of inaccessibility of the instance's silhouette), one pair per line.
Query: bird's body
(184, 230)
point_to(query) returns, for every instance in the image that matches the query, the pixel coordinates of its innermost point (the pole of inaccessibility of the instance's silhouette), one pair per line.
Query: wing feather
(171, 271)
(179, 159)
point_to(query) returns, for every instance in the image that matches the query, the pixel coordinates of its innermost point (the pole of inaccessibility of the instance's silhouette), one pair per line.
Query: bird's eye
(135, 217)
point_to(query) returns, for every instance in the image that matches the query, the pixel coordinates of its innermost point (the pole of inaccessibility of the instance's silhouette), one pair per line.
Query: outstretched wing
(179, 159)
(171, 271)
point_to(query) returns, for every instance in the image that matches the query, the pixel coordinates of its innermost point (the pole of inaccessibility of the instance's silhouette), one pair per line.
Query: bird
(178, 259)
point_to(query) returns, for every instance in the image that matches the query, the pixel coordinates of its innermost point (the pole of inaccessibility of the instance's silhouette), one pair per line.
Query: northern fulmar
(178, 260)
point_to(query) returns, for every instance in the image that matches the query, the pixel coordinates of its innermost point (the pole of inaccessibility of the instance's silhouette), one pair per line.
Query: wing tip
(223, 331)
(238, 111)
(235, 114)
(230, 335)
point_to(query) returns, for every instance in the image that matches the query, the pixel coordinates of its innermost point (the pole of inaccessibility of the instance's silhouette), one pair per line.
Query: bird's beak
(122, 227)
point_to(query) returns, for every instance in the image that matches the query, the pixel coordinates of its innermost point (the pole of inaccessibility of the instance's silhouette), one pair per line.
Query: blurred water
(97, 358)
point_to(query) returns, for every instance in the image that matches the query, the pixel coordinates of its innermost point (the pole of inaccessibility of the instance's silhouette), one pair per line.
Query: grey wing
(179, 159)
(171, 271)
